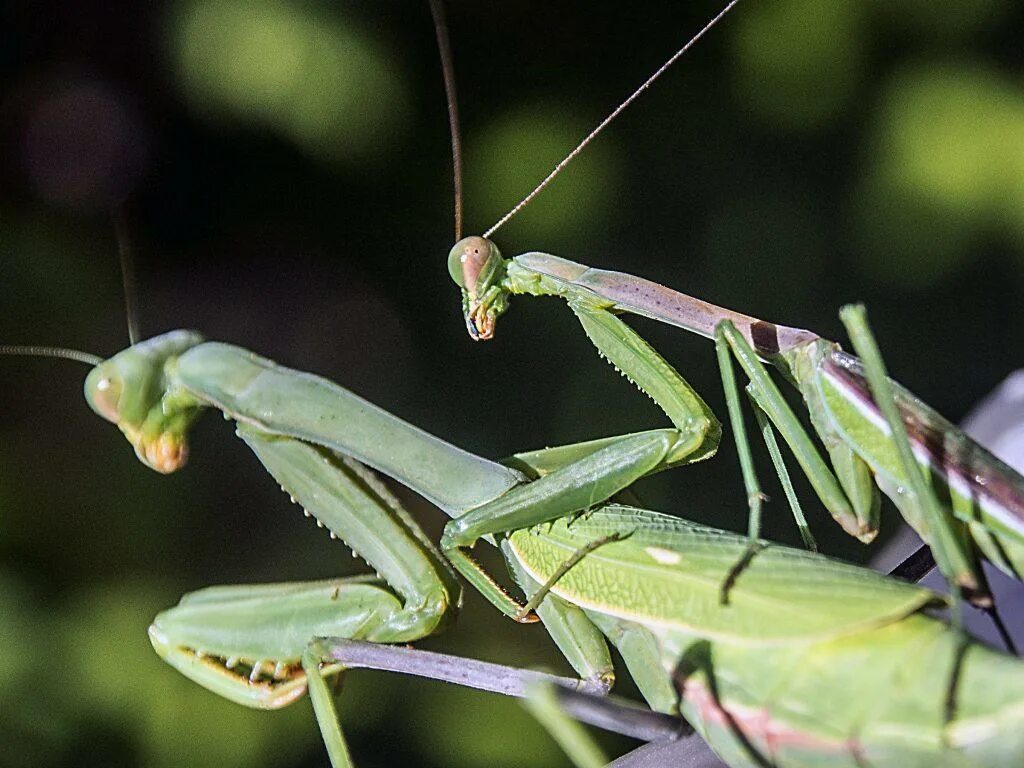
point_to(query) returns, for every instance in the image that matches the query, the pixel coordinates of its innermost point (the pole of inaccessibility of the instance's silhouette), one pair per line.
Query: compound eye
(103, 390)
(467, 261)
(455, 260)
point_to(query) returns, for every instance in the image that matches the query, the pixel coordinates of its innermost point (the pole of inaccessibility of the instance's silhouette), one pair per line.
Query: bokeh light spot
(518, 149)
(324, 84)
(798, 62)
(946, 164)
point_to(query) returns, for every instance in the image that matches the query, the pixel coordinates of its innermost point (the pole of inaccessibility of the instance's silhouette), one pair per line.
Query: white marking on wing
(664, 556)
(955, 479)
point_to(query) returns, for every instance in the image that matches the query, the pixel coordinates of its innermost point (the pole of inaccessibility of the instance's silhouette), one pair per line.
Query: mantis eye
(470, 259)
(103, 389)
(455, 266)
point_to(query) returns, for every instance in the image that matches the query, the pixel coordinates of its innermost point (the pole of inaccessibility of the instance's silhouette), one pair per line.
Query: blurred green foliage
(947, 168)
(799, 62)
(299, 70)
(295, 198)
(528, 143)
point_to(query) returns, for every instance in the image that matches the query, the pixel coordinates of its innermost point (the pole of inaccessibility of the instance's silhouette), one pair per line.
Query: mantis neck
(543, 274)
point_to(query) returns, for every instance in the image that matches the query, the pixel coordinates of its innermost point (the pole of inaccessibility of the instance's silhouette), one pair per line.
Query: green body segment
(282, 401)
(799, 629)
(880, 701)
(976, 488)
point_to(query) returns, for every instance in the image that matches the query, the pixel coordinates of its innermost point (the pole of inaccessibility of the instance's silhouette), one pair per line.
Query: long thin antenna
(17, 350)
(445, 49)
(124, 251)
(604, 123)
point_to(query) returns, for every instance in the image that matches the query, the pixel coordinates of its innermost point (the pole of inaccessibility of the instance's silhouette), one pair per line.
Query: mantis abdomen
(893, 687)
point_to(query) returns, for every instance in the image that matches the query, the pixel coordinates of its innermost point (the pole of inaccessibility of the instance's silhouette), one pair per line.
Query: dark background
(284, 171)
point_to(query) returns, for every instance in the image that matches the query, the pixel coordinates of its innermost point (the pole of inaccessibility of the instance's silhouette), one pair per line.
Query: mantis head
(476, 266)
(136, 390)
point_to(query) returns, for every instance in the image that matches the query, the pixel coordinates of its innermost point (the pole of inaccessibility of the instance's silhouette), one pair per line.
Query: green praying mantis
(969, 506)
(982, 509)
(755, 694)
(748, 674)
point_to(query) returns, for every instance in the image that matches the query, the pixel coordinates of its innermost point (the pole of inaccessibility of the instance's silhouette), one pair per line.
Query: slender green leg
(951, 551)
(617, 463)
(641, 652)
(581, 642)
(610, 468)
(353, 505)
(543, 704)
(754, 546)
(326, 715)
(770, 399)
(538, 597)
(755, 497)
(572, 488)
(780, 469)
(485, 584)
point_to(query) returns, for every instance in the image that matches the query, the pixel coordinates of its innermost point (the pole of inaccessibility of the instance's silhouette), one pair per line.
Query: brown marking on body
(765, 337)
(983, 473)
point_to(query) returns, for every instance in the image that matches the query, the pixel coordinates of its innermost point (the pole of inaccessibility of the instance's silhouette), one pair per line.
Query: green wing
(668, 572)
